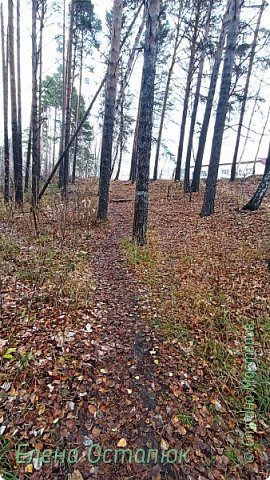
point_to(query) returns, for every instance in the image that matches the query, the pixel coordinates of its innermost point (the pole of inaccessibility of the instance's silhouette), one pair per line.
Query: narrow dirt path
(129, 399)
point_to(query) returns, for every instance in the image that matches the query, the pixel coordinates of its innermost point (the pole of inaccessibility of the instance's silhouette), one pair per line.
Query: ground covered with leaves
(108, 346)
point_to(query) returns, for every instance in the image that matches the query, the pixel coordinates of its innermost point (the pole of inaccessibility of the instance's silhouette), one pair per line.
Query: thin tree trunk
(61, 169)
(54, 136)
(245, 95)
(14, 119)
(187, 91)
(250, 121)
(197, 98)
(78, 113)
(256, 200)
(209, 103)
(110, 99)
(19, 87)
(134, 162)
(260, 142)
(35, 126)
(40, 64)
(5, 108)
(121, 135)
(140, 220)
(28, 158)
(167, 88)
(68, 98)
(211, 183)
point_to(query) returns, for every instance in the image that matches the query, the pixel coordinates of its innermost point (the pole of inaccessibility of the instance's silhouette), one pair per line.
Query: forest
(134, 240)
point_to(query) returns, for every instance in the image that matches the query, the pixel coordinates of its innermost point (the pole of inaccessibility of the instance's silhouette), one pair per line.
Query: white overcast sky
(171, 131)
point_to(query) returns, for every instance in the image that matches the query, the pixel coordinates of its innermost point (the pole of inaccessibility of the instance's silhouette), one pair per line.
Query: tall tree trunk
(69, 78)
(34, 119)
(188, 90)
(5, 107)
(196, 98)
(209, 103)
(78, 112)
(17, 160)
(110, 99)
(61, 148)
(222, 108)
(177, 43)
(245, 95)
(19, 87)
(140, 220)
(256, 200)
(40, 64)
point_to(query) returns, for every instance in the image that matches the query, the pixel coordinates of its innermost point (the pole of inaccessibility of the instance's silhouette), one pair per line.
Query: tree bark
(19, 86)
(209, 103)
(28, 158)
(34, 119)
(17, 160)
(245, 95)
(177, 43)
(140, 220)
(5, 108)
(188, 90)
(211, 183)
(110, 99)
(196, 98)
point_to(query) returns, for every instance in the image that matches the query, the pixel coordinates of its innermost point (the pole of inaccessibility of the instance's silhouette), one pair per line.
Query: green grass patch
(136, 255)
(6, 470)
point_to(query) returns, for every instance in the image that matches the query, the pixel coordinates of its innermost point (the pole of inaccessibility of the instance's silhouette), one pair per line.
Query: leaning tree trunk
(34, 116)
(17, 160)
(209, 103)
(108, 126)
(260, 193)
(121, 134)
(196, 99)
(5, 108)
(245, 95)
(177, 43)
(134, 160)
(140, 220)
(187, 92)
(222, 108)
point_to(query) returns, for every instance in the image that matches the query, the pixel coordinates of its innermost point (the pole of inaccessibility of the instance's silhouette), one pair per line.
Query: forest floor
(106, 344)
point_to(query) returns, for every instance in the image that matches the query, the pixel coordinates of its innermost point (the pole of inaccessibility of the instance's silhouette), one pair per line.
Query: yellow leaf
(76, 475)
(29, 468)
(122, 443)
(41, 409)
(156, 361)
